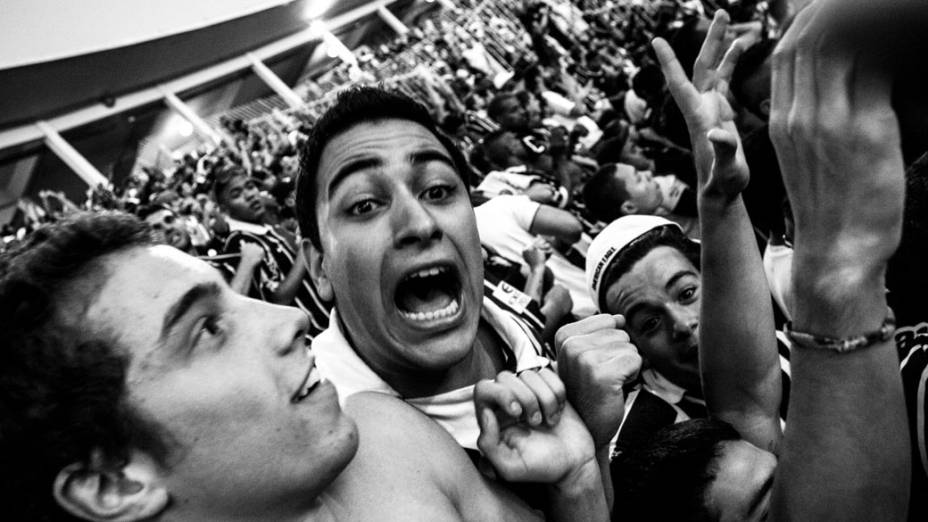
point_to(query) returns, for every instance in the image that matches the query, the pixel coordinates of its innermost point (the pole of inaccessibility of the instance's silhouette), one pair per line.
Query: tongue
(423, 297)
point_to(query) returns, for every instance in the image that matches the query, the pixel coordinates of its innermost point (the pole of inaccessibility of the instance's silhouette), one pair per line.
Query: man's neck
(483, 361)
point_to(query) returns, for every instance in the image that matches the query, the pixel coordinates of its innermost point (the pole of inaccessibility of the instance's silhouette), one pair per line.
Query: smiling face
(229, 380)
(400, 250)
(659, 297)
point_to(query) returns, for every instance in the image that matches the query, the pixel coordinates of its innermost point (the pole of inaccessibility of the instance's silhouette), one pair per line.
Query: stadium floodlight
(318, 28)
(316, 8)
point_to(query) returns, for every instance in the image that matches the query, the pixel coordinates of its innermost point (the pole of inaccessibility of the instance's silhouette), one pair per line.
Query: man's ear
(765, 108)
(316, 266)
(99, 491)
(628, 208)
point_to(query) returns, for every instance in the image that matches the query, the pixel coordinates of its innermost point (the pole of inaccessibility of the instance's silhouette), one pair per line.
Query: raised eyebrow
(679, 275)
(180, 308)
(350, 168)
(428, 155)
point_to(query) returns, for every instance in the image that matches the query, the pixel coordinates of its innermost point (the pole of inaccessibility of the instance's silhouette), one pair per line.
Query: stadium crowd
(636, 260)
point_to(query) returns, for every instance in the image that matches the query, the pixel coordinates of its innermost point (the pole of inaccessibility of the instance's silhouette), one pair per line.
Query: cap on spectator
(609, 243)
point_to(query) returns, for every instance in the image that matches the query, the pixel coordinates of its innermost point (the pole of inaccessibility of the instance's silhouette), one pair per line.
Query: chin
(444, 354)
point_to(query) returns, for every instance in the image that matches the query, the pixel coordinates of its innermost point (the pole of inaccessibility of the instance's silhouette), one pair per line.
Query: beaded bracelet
(824, 342)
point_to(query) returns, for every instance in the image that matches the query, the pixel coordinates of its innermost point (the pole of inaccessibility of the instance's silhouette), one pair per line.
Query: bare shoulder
(415, 462)
(398, 472)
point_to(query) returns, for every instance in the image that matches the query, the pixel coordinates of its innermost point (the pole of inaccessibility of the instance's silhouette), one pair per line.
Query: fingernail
(536, 419)
(515, 409)
(553, 418)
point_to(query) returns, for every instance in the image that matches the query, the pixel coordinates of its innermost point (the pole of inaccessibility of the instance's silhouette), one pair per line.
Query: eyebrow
(350, 168)
(679, 275)
(635, 308)
(180, 308)
(359, 164)
(429, 155)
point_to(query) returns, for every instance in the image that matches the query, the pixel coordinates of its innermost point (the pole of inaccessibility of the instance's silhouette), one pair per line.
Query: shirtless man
(137, 385)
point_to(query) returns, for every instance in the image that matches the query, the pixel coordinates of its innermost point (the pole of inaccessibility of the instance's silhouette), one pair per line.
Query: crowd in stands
(589, 239)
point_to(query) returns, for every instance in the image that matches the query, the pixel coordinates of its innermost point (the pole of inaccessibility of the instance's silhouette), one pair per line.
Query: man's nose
(412, 221)
(290, 334)
(684, 321)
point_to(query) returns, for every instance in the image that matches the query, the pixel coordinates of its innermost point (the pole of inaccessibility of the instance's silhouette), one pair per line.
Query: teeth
(427, 272)
(447, 311)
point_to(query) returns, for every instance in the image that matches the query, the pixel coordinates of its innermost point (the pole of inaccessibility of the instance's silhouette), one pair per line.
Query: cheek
(200, 408)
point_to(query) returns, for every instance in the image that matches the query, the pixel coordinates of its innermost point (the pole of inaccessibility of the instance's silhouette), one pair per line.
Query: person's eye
(360, 208)
(649, 325)
(688, 293)
(210, 332)
(438, 192)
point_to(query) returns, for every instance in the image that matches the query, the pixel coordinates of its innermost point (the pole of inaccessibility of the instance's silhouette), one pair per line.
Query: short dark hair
(603, 194)
(668, 235)
(62, 388)
(353, 107)
(224, 177)
(496, 157)
(666, 476)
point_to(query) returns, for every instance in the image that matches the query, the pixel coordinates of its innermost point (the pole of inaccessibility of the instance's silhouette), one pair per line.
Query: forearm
(739, 362)
(847, 427)
(579, 496)
(241, 281)
(602, 457)
(534, 283)
(286, 291)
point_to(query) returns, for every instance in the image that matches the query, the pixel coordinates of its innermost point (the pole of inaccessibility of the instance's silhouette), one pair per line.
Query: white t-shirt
(778, 266)
(454, 410)
(504, 223)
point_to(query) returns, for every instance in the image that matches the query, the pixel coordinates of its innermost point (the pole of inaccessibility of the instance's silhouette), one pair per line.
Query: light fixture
(316, 8)
(318, 28)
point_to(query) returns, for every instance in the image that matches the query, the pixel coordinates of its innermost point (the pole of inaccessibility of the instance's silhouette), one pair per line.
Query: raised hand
(595, 360)
(705, 107)
(252, 254)
(838, 144)
(528, 431)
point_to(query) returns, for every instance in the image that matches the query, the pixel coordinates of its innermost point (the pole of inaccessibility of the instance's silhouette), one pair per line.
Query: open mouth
(429, 294)
(310, 381)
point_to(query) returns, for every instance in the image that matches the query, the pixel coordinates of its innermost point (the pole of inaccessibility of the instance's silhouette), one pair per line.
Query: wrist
(580, 481)
(839, 300)
(711, 201)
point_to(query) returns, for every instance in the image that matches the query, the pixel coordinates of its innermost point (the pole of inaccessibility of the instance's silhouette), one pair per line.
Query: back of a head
(750, 81)
(666, 477)
(649, 82)
(495, 152)
(62, 388)
(604, 193)
(354, 107)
